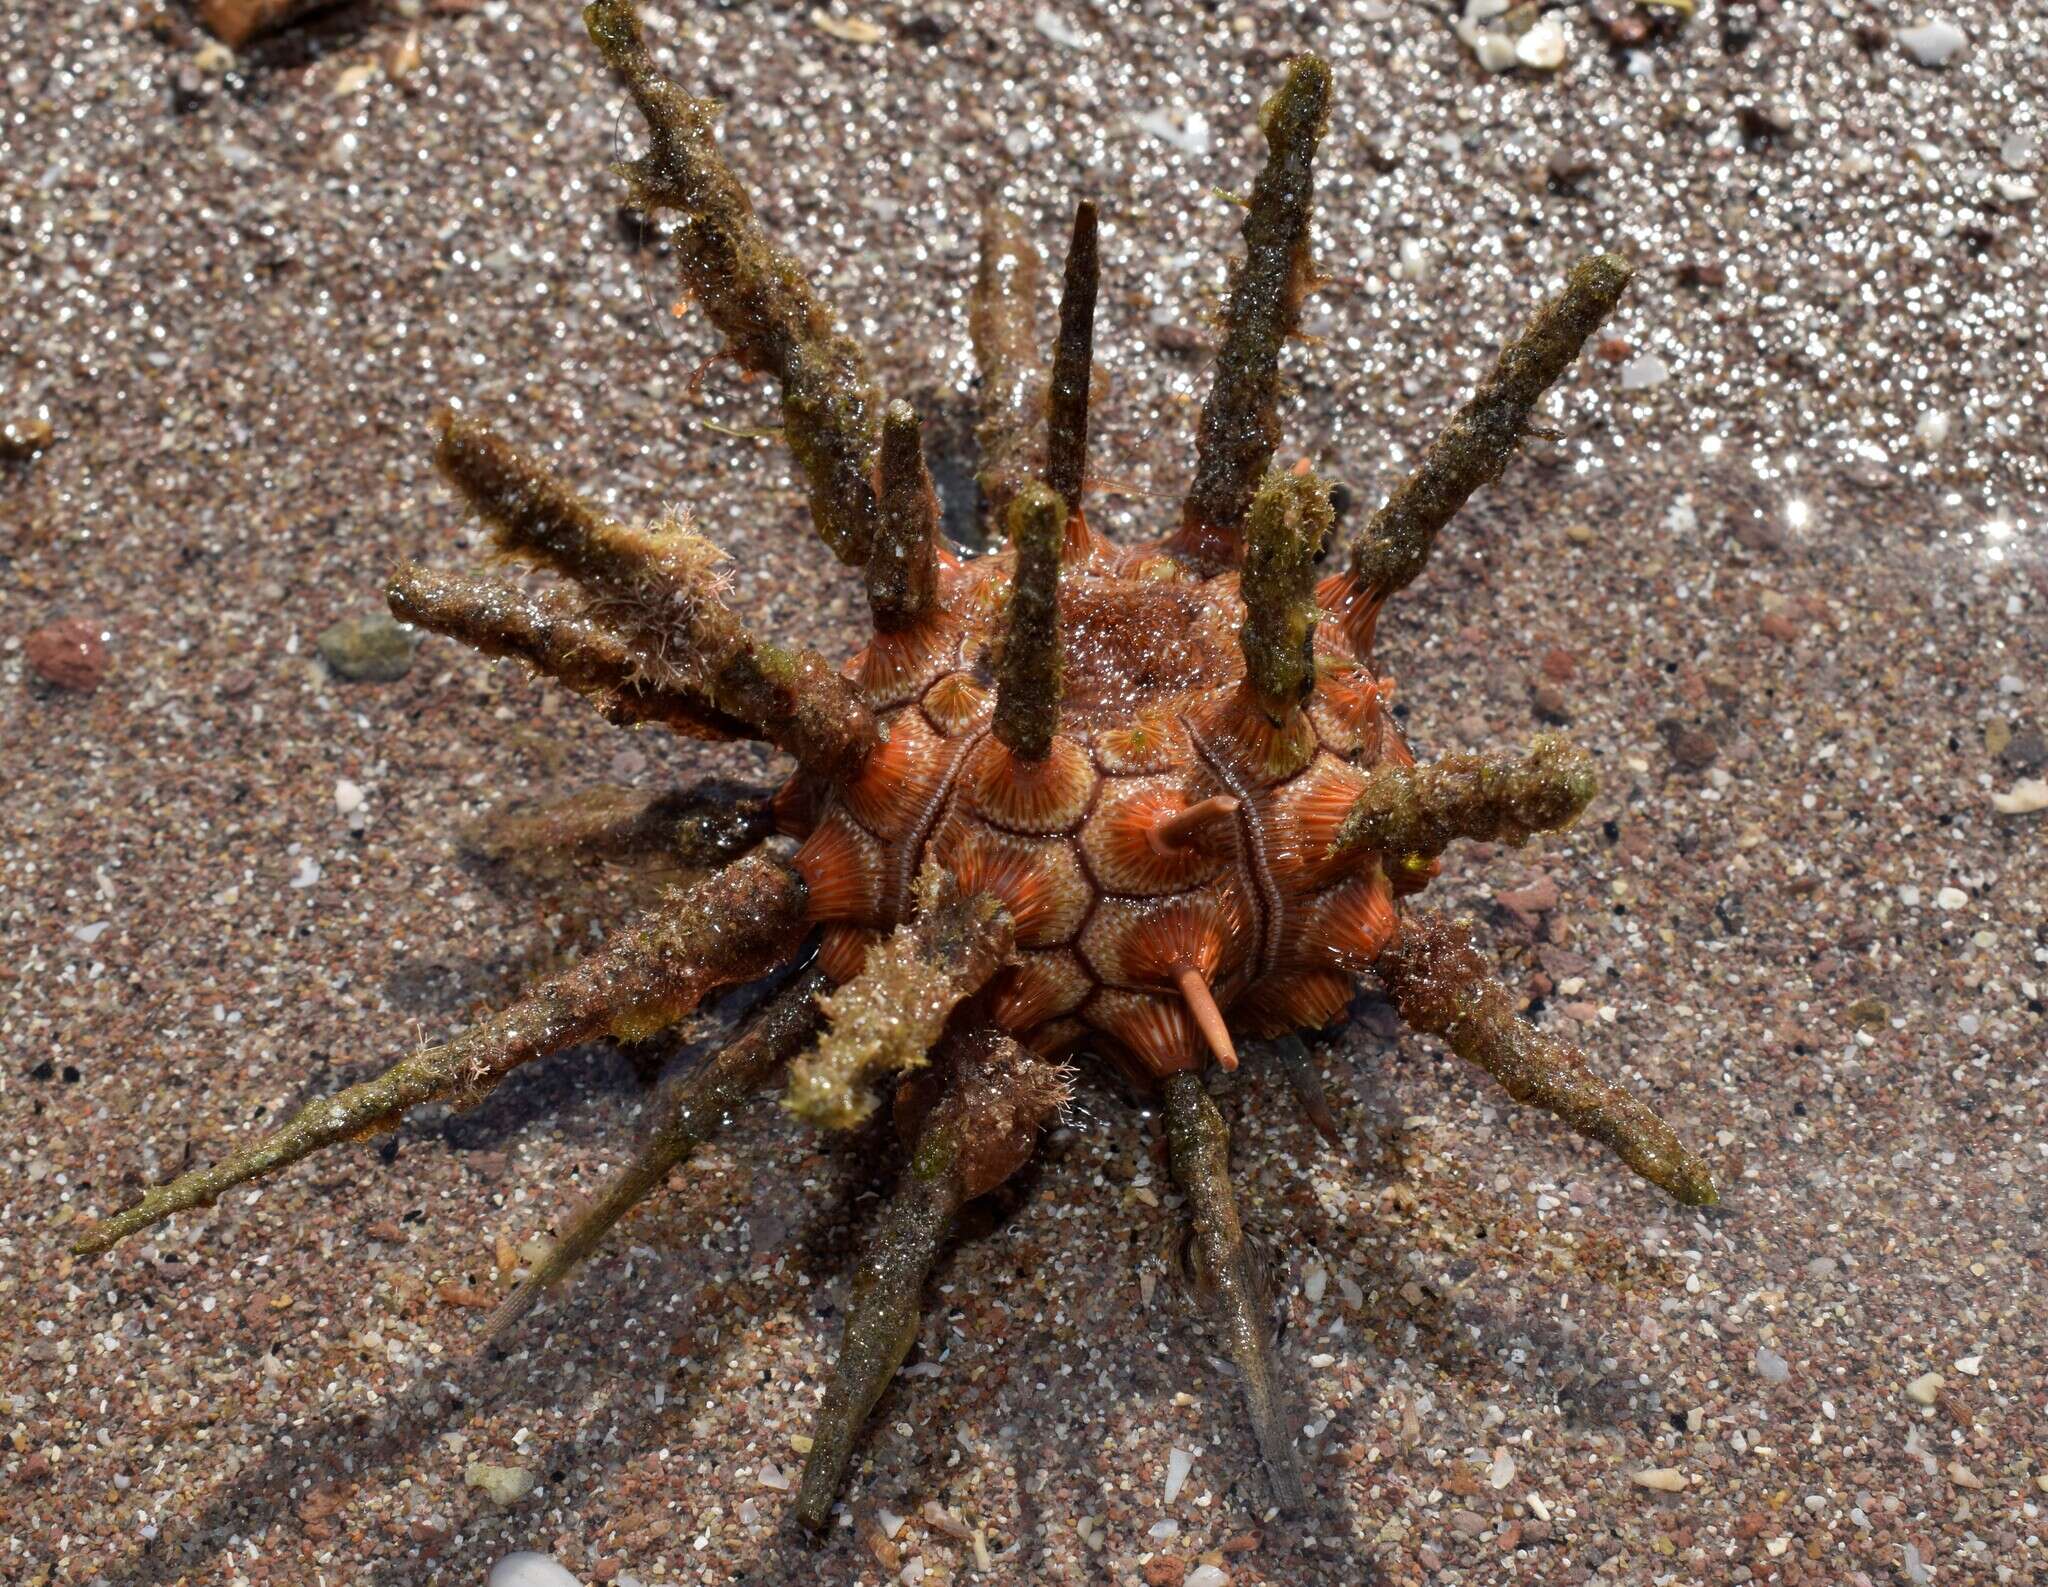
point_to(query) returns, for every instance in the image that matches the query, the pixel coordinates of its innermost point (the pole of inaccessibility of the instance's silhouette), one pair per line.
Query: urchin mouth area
(1079, 715)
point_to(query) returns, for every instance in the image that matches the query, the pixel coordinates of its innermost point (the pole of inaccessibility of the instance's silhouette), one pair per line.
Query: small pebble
(23, 438)
(505, 1485)
(1770, 1366)
(1494, 51)
(1926, 1388)
(69, 654)
(1542, 48)
(402, 58)
(1931, 429)
(1951, 898)
(1207, 1576)
(373, 648)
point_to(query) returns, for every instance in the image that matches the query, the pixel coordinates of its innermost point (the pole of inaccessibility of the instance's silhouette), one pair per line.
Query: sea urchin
(1072, 799)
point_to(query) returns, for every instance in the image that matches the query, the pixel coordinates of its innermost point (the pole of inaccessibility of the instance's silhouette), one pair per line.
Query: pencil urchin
(1072, 801)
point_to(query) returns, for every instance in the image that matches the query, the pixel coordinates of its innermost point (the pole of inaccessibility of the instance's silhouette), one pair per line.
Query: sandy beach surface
(1779, 565)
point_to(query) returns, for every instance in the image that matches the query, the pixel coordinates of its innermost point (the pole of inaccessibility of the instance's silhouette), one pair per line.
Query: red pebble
(68, 653)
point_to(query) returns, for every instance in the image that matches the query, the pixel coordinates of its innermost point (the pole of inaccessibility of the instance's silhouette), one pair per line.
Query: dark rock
(190, 88)
(635, 229)
(1629, 30)
(1566, 172)
(2028, 751)
(1764, 122)
(1692, 748)
(927, 28)
(1756, 533)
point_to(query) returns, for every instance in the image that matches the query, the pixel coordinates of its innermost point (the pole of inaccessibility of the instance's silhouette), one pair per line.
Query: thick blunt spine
(533, 514)
(552, 632)
(883, 1314)
(903, 566)
(1002, 323)
(1290, 519)
(1417, 812)
(1028, 670)
(1073, 364)
(662, 582)
(993, 1097)
(1474, 448)
(690, 1109)
(753, 291)
(1443, 987)
(1198, 1147)
(732, 927)
(1240, 425)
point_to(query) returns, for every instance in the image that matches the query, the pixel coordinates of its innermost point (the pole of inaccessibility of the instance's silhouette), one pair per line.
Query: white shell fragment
(2026, 796)
(1934, 42)
(1644, 372)
(1501, 41)
(1189, 133)
(1542, 47)
(527, 1569)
